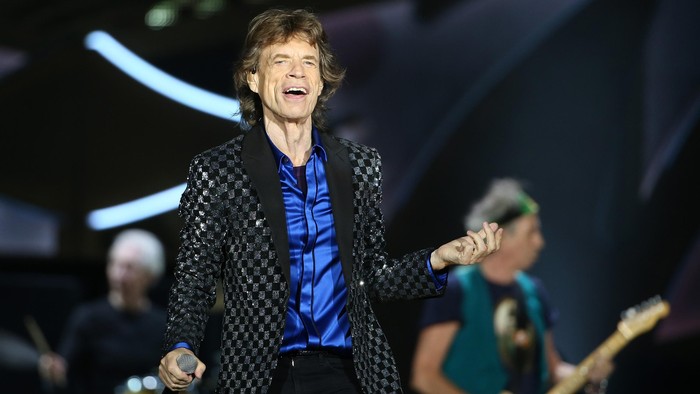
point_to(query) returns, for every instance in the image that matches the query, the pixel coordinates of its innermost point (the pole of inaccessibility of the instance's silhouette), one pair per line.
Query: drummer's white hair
(149, 246)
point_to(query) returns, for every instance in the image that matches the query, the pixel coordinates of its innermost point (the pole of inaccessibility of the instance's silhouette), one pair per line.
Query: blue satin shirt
(316, 316)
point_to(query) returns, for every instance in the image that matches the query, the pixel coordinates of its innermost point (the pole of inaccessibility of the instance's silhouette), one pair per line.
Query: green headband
(526, 205)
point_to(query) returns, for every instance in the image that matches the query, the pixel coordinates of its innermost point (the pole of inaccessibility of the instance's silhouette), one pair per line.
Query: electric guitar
(635, 321)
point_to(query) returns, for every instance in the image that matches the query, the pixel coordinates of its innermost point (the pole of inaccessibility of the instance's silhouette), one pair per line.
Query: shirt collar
(317, 149)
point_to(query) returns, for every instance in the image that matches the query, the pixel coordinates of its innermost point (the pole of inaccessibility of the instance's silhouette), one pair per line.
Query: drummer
(117, 336)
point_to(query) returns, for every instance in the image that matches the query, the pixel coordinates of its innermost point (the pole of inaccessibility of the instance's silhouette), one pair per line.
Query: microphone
(187, 363)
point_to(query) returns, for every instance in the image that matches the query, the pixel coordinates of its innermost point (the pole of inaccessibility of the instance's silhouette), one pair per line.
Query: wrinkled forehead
(287, 46)
(282, 39)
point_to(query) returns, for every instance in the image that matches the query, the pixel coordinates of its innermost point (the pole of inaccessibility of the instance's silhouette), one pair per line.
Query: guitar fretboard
(575, 381)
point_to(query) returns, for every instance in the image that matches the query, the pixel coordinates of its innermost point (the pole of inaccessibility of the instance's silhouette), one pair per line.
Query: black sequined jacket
(235, 229)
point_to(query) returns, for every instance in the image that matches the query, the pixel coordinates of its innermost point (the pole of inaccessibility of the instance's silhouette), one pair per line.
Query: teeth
(296, 90)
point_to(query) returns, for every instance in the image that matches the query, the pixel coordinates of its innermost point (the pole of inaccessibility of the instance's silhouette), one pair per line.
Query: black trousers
(315, 373)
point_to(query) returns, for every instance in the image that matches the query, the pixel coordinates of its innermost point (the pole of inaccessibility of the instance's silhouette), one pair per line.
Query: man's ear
(252, 78)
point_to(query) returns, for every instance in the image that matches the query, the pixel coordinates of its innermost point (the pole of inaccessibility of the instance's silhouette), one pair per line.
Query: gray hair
(504, 201)
(152, 254)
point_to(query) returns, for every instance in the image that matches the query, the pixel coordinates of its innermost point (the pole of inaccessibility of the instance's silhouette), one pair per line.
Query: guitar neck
(576, 380)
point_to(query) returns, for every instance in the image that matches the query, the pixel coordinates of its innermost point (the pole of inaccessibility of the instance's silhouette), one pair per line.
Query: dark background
(595, 104)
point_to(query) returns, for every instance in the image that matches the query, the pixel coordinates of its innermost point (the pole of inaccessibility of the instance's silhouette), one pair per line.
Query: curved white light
(165, 84)
(168, 86)
(133, 211)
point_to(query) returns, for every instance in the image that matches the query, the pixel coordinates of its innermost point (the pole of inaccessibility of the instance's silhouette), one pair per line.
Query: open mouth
(295, 91)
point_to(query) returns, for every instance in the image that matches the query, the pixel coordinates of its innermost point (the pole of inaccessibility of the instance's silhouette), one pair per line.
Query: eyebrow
(286, 56)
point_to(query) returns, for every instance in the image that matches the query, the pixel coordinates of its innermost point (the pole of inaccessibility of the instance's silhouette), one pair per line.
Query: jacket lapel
(262, 169)
(339, 177)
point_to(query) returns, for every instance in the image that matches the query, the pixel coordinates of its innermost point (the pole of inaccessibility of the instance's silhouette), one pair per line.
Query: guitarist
(491, 331)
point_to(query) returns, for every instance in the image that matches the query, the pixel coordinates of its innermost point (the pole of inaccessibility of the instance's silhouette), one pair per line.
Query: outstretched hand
(470, 249)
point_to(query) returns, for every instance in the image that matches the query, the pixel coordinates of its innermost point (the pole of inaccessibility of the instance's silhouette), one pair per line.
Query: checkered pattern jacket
(235, 229)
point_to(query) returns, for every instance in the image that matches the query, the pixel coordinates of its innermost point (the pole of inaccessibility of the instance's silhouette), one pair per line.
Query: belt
(311, 353)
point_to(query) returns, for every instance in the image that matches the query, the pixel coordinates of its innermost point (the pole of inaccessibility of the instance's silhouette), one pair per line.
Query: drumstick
(38, 337)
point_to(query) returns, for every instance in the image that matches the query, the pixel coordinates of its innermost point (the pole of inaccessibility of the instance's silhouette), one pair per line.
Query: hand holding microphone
(179, 369)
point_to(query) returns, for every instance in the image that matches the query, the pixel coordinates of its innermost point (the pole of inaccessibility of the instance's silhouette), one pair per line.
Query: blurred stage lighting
(166, 13)
(168, 86)
(133, 211)
(159, 81)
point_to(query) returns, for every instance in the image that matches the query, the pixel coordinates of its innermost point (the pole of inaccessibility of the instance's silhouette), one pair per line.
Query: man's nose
(297, 69)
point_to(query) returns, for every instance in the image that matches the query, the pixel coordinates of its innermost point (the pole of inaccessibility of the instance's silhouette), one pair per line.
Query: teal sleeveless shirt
(473, 362)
